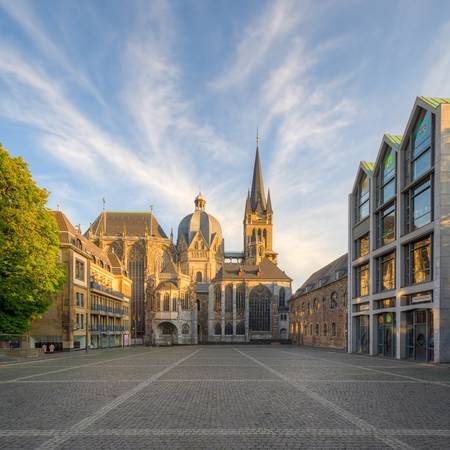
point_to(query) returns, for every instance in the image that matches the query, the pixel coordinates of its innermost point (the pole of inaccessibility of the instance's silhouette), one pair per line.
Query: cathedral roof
(257, 196)
(199, 222)
(267, 270)
(113, 223)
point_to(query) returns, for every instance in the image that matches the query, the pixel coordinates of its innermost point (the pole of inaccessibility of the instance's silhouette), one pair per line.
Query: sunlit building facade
(399, 242)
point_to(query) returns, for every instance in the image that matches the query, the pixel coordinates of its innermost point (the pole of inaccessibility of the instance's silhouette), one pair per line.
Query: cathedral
(192, 291)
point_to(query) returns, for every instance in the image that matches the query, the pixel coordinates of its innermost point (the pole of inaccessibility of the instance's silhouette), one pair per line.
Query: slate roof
(135, 224)
(69, 235)
(435, 101)
(325, 275)
(269, 271)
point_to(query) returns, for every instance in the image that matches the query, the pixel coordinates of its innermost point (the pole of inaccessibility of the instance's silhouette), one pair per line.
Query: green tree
(29, 243)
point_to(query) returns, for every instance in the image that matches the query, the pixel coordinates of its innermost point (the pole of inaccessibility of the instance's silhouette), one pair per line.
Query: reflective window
(386, 272)
(421, 148)
(362, 246)
(388, 176)
(362, 280)
(419, 263)
(387, 225)
(421, 205)
(363, 198)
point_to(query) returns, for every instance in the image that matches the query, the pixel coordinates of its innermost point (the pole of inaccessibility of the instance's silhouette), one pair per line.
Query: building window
(240, 299)
(388, 176)
(386, 225)
(333, 329)
(386, 272)
(333, 301)
(260, 308)
(185, 301)
(362, 280)
(166, 304)
(363, 198)
(418, 261)
(240, 328)
(198, 277)
(174, 305)
(218, 329)
(282, 297)
(317, 329)
(80, 299)
(362, 246)
(185, 328)
(316, 305)
(229, 329)
(418, 206)
(218, 299)
(420, 150)
(325, 329)
(79, 270)
(229, 298)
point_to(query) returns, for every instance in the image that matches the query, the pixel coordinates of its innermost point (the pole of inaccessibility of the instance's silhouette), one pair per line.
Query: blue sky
(148, 102)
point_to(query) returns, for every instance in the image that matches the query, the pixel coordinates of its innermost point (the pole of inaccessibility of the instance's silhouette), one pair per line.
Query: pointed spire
(248, 208)
(269, 203)
(257, 198)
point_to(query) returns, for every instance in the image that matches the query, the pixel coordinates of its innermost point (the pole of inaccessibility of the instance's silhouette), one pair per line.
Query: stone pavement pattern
(223, 397)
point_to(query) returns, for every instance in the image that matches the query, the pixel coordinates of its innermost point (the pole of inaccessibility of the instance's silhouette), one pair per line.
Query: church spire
(257, 197)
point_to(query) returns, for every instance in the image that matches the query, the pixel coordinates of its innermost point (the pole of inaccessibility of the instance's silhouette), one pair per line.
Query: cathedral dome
(200, 221)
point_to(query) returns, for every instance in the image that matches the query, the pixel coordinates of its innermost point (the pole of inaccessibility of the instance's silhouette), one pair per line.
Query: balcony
(111, 292)
(108, 328)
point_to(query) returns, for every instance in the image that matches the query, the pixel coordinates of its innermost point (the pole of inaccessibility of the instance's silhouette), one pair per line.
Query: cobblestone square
(222, 397)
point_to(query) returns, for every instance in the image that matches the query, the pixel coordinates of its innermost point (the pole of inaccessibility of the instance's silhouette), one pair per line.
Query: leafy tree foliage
(29, 243)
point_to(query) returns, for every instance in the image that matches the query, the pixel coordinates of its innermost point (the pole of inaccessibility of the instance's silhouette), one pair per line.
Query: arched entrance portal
(166, 334)
(260, 310)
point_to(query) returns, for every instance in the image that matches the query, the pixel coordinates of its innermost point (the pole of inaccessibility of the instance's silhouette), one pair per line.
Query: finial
(104, 203)
(258, 140)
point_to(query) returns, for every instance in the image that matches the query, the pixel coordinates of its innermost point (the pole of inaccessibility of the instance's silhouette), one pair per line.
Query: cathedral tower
(258, 220)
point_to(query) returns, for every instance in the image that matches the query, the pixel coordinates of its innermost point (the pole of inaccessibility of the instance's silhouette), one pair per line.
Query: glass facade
(362, 246)
(388, 176)
(418, 261)
(362, 280)
(386, 272)
(386, 225)
(386, 334)
(420, 335)
(362, 334)
(363, 198)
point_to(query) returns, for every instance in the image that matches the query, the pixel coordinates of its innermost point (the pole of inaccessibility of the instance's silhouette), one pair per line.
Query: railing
(109, 310)
(99, 287)
(108, 328)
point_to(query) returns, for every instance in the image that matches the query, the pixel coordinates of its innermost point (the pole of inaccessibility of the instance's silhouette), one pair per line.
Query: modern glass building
(399, 242)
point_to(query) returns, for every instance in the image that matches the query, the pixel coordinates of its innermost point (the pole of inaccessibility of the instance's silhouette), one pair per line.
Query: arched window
(316, 304)
(333, 301)
(265, 236)
(174, 305)
(136, 271)
(228, 329)
(310, 329)
(259, 234)
(166, 303)
(218, 298)
(185, 328)
(198, 277)
(157, 304)
(240, 299)
(229, 299)
(260, 309)
(282, 297)
(196, 245)
(240, 328)
(218, 329)
(325, 329)
(185, 300)
(333, 329)
(317, 329)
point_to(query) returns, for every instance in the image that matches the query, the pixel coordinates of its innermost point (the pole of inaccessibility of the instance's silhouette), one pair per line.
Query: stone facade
(189, 292)
(93, 307)
(318, 310)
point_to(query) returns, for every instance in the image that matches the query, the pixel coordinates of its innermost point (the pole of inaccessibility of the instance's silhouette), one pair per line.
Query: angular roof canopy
(268, 271)
(434, 101)
(114, 223)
